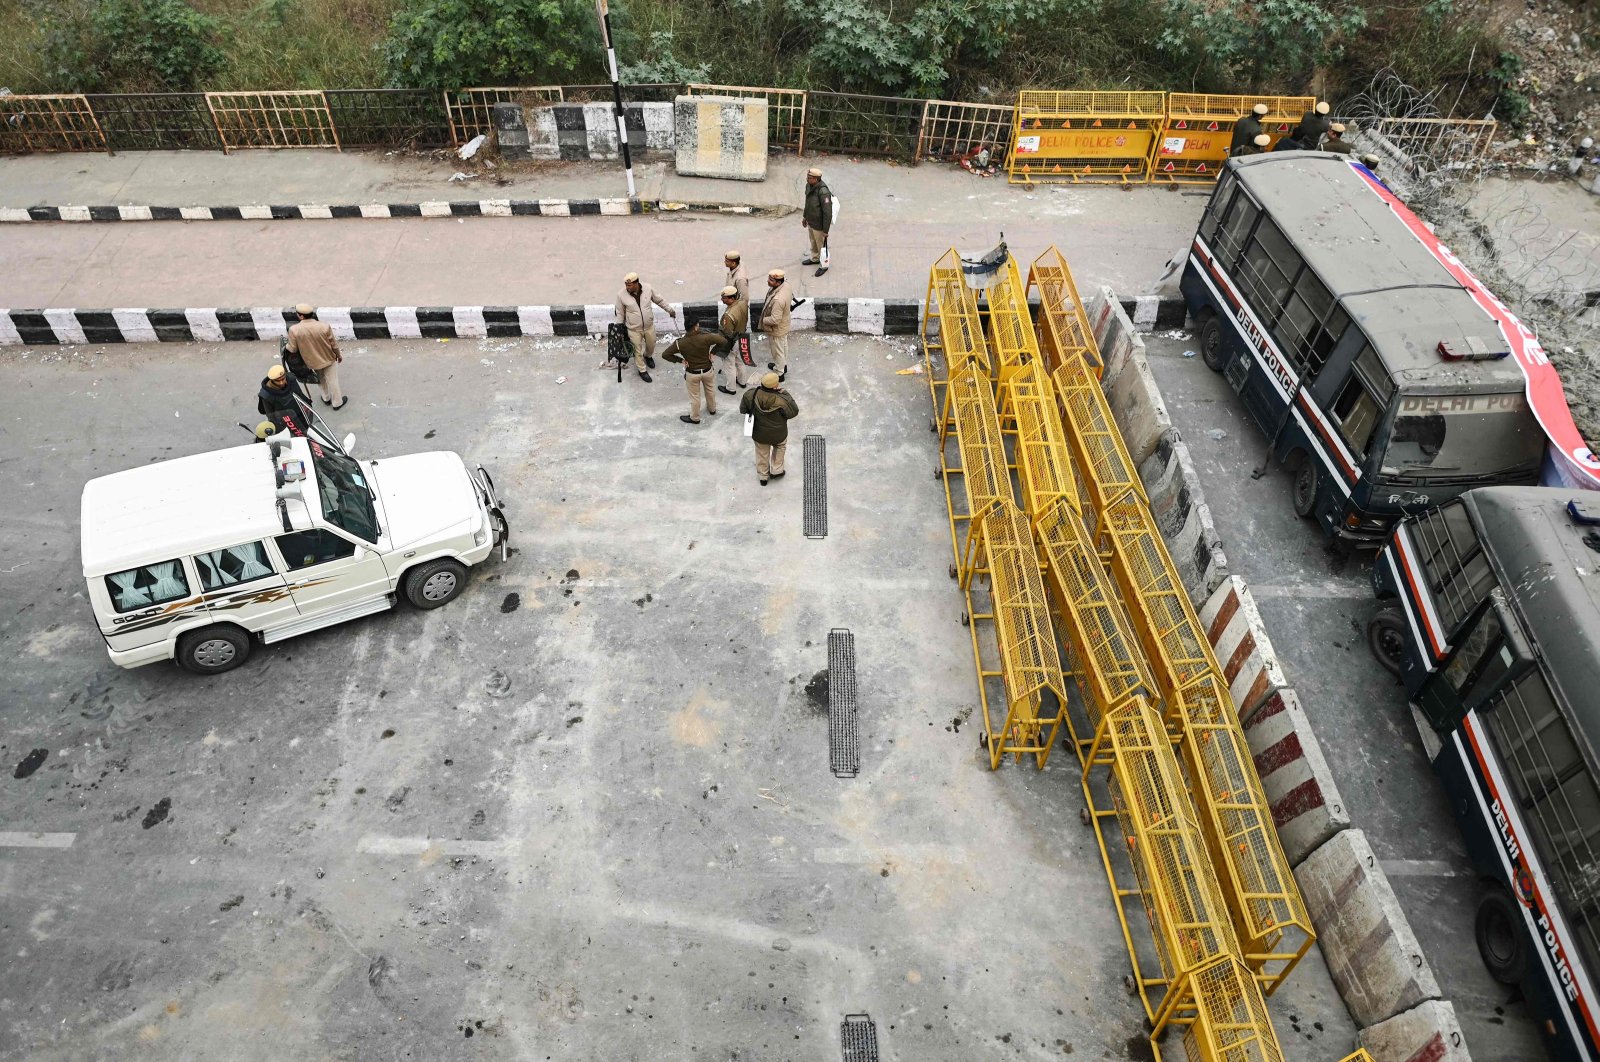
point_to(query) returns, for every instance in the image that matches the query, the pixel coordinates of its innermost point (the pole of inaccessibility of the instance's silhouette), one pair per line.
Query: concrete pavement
(584, 812)
(894, 222)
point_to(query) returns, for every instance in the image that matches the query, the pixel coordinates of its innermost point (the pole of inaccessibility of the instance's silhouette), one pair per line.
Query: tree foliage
(1252, 44)
(456, 43)
(163, 45)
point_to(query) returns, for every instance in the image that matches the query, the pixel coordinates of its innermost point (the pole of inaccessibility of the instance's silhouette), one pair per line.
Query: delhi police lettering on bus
(1383, 385)
(1495, 631)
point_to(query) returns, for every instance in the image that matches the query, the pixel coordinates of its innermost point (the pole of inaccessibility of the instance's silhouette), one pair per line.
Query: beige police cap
(274, 372)
(630, 278)
(730, 292)
(1337, 127)
(1322, 108)
(304, 309)
(1262, 140)
(770, 381)
(814, 172)
(1260, 108)
(775, 274)
(733, 255)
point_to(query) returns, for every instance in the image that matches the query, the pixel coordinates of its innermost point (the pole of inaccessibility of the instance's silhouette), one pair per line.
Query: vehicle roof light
(1584, 511)
(1473, 348)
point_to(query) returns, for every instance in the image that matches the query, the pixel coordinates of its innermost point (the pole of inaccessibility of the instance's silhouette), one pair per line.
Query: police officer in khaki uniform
(738, 279)
(633, 312)
(313, 340)
(1258, 147)
(1335, 141)
(697, 349)
(734, 323)
(817, 217)
(772, 408)
(775, 321)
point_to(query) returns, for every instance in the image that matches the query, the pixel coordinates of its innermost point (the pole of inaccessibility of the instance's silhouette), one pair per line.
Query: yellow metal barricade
(1063, 326)
(1000, 545)
(1199, 128)
(1264, 900)
(1084, 137)
(1229, 1020)
(1028, 411)
(1360, 1055)
(1010, 336)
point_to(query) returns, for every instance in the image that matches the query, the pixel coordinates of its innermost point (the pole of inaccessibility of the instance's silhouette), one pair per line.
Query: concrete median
(1306, 806)
(1370, 949)
(1173, 487)
(1428, 1032)
(721, 136)
(1233, 625)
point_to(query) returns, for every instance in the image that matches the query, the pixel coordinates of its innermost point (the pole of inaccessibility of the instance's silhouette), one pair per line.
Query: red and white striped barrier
(1305, 801)
(1428, 1032)
(1234, 627)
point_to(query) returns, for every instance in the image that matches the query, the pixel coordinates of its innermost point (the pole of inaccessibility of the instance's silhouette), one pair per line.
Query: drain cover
(858, 1039)
(815, 453)
(844, 752)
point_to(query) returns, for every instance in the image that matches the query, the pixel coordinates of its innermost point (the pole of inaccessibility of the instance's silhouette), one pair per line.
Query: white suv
(192, 559)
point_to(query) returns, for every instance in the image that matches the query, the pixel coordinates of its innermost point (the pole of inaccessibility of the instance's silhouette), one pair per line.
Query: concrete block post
(511, 132)
(1370, 949)
(721, 136)
(1306, 806)
(1426, 1033)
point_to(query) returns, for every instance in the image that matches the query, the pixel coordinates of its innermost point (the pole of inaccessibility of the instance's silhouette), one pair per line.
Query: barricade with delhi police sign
(1084, 137)
(1199, 128)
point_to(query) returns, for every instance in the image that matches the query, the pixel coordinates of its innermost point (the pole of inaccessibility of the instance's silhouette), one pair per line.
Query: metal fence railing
(1048, 136)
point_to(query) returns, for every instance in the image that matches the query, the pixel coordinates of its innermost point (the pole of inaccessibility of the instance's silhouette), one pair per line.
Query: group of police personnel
(1316, 132)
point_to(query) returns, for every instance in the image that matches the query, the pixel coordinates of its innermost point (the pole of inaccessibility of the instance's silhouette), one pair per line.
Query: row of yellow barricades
(1226, 918)
(1134, 137)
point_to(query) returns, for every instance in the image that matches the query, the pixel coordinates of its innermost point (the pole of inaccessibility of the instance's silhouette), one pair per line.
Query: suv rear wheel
(213, 650)
(1211, 351)
(438, 582)
(1501, 940)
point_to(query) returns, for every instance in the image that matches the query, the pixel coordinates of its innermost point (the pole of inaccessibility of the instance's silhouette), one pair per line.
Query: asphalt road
(583, 812)
(1316, 605)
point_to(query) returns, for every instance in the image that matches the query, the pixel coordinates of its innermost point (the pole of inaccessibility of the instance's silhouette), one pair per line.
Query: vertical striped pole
(616, 91)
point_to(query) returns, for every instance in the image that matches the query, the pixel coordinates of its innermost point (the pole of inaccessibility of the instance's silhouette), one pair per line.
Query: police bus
(1495, 631)
(1375, 363)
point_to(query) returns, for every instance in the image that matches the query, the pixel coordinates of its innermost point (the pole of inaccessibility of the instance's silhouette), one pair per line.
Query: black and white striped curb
(836, 316)
(469, 208)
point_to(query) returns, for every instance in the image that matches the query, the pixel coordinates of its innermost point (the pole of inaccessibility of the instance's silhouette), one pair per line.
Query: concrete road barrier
(1370, 949)
(721, 136)
(1173, 487)
(1306, 806)
(1233, 625)
(1428, 1032)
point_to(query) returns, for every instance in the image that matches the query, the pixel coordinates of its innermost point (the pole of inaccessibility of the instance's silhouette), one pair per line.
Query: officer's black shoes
(776, 475)
(650, 363)
(782, 376)
(712, 412)
(763, 483)
(327, 401)
(345, 401)
(820, 270)
(687, 419)
(726, 390)
(646, 377)
(808, 260)
(772, 365)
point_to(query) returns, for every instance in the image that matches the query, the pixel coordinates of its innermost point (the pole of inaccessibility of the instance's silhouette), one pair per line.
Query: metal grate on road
(815, 453)
(844, 750)
(858, 1039)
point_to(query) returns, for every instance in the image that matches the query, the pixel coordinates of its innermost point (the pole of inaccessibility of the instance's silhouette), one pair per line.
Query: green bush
(129, 46)
(1510, 105)
(661, 65)
(1257, 45)
(458, 43)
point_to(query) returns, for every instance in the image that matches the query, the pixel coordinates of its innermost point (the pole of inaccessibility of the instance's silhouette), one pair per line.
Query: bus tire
(1304, 494)
(1501, 942)
(213, 650)
(1211, 351)
(1386, 637)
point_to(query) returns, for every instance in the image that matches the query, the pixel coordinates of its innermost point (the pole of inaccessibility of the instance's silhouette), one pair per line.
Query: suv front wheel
(435, 583)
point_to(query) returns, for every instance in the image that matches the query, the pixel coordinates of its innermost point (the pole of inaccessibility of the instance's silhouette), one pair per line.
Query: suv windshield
(346, 498)
(1462, 435)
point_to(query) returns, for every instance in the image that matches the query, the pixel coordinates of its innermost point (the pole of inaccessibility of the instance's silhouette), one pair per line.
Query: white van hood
(424, 496)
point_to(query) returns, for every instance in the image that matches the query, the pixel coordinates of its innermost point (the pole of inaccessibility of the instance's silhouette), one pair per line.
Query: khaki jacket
(313, 341)
(631, 312)
(735, 319)
(775, 311)
(739, 280)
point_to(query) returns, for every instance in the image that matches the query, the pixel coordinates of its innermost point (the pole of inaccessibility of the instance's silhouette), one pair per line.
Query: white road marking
(10, 839)
(415, 846)
(1420, 868)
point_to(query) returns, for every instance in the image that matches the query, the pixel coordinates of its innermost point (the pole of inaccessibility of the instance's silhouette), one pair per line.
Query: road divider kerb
(433, 208)
(1427, 1032)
